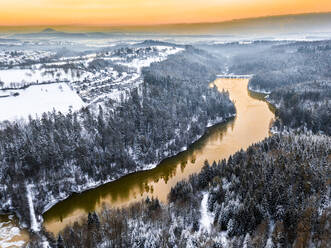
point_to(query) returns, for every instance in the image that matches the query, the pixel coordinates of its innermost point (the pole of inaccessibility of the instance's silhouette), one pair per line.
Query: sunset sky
(137, 12)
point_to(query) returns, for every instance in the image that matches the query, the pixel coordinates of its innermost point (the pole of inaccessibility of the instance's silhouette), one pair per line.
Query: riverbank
(223, 139)
(94, 185)
(61, 152)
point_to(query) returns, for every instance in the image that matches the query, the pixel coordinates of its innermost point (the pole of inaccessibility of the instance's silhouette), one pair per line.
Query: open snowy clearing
(206, 217)
(163, 53)
(19, 77)
(38, 99)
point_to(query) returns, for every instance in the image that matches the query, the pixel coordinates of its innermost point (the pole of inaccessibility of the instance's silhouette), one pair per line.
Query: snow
(164, 52)
(45, 243)
(35, 226)
(29, 76)
(115, 95)
(93, 86)
(133, 80)
(259, 90)
(224, 238)
(206, 217)
(245, 42)
(150, 166)
(22, 56)
(271, 230)
(38, 99)
(7, 233)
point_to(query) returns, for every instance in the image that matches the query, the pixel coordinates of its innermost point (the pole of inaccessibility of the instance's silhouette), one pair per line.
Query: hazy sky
(135, 12)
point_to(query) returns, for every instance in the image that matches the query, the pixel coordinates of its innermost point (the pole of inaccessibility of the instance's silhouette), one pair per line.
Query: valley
(218, 143)
(211, 144)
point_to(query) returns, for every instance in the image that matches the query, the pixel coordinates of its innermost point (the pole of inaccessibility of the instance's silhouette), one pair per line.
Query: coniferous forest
(274, 194)
(63, 153)
(297, 76)
(148, 101)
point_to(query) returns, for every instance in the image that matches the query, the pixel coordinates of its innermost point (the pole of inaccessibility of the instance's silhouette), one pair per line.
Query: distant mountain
(49, 33)
(289, 25)
(286, 24)
(53, 33)
(49, 30)
(148, 43)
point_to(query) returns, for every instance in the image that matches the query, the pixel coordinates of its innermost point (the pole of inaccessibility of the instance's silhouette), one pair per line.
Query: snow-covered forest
(305, 106)
(131, 106)
(58, 154)
(276, 194)
(298, 76)
(283, 64)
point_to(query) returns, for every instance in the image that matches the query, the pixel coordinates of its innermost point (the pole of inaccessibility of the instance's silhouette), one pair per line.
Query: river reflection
(250, 125)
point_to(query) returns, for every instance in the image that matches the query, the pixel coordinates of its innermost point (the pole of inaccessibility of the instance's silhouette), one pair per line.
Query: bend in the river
(250, 125)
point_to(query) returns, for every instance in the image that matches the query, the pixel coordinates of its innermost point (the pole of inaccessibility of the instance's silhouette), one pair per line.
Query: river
(250, 125)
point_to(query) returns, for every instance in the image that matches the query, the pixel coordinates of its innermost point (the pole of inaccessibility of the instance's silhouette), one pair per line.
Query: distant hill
(287, 24)
(53, 33)
(147, 43)
(49, 30)
(50, 33)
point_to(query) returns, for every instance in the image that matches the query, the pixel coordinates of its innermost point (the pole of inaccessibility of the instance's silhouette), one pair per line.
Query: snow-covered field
(19, 77)
(38, 99)
(95, 76)
(71, 82)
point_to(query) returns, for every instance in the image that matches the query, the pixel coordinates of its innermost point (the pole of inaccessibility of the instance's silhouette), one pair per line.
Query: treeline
(285, 64)
(277, 190)
(276, 194)
(60, 154)
(191, 65)
(307, 107)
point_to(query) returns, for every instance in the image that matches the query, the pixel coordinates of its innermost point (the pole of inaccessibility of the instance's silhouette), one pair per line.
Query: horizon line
(165, 24)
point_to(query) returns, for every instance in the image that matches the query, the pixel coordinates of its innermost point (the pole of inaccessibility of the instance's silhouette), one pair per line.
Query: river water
(251, 125)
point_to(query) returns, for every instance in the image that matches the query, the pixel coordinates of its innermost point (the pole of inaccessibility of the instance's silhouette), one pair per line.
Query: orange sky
(136, 12)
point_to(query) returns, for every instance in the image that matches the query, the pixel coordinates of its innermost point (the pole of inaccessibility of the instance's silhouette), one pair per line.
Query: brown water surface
(250, 125)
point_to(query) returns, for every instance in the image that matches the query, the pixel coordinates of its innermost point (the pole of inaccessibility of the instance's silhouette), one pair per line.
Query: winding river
(251, 125)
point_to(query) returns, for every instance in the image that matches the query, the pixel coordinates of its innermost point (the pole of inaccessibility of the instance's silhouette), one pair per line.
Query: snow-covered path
(206, 217)
(35, 226)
